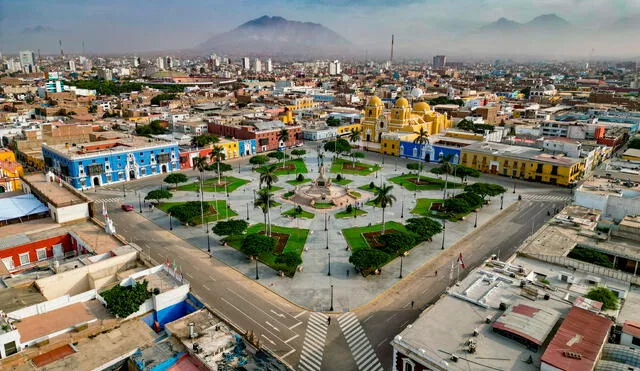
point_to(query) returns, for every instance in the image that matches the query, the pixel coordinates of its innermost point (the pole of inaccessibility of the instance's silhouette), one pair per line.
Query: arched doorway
(2, 190)
(96, 181)
(132, 174)
(164, 168)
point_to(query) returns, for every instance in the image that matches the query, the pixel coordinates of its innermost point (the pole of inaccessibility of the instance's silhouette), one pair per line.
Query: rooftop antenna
(391, 60)
(83, 51)
(61, 51)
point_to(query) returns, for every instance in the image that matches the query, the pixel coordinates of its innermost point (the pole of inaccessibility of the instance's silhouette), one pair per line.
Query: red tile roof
(631, 328)
(52, 356)
(581, 335)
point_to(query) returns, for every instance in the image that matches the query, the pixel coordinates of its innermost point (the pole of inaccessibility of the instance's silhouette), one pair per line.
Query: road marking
(206, 288)
(359, 345)
(269, 340)
(381, 343)
(255, 306)
(299, 314)
(368, 318)
(314, 342)
(389, 319)
(276, 313)
(189, 275)
(289, 353)
(405, 322)
(212, 279)
(294, 326)
(291, 338)
(272, 326)
(406, 305)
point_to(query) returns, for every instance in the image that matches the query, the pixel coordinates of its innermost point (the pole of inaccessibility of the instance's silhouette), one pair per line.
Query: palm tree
(268, 176)
(200, 163)
(421, 139)
(218, 153)
(354, 135)
(383, 199)
(283, 136)
(265, 202)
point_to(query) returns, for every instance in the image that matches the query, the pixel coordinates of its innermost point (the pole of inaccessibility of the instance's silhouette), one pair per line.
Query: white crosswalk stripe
(546, 197)
(359, 344)
(108, 200)
(313, 346)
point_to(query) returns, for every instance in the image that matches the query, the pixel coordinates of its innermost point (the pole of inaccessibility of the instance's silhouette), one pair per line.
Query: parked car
(126, 207)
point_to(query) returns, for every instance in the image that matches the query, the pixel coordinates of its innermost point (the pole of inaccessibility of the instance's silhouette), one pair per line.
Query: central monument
(322, 191)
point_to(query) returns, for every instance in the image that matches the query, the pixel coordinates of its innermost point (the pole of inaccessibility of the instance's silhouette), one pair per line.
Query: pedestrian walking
(348, 272)
(329, 321)
(412, 304)
(436, 272)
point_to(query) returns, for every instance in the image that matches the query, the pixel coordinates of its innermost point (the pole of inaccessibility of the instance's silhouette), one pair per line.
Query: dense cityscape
(276, 199)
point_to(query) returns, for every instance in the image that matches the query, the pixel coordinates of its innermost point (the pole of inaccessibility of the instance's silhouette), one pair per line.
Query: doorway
(96, 181)
(164, 168)
(132, 174)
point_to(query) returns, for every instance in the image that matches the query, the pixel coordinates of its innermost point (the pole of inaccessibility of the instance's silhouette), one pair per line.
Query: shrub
(424, 228)
(187, 211)
(396, 243)
(456, 206)
(258, 244)
(125, 300)
(368, 260)
(300, 178)
(339, 177)
(590, 256)
(372, 185)
(230, 227)
(349, 209)
(415, 166)
(471, 198)
(289, 258)
(298, 209)
(602, 294)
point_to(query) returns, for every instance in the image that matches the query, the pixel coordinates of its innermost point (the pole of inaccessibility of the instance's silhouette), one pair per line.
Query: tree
(278, 155)
(526, 92)
(416, 166)
(160, 97)
(218, 153)
(258, 160)
(200, 163)
(602, 294)
(356, 154)
(265, 202)
(154, 128)
(485, 189)
(424, 228)
(203, 140)
(456, 206)
(122, 301)
(383, 199)
(257, 244)
(337, 146)
(230, 227)
(158, 194)
(368, 260)
(187, 211)
(283, 136)
(466, 125)
(474, 200)
(354, 135)
(219, 169)
(396, 243)
(463, 172)
(298, 152)
(268, 176)
(421, 139)
(175, 178)
(289, 258)
(333, 121)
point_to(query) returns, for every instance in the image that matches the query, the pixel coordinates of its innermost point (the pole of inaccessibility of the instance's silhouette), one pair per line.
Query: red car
(126, 207)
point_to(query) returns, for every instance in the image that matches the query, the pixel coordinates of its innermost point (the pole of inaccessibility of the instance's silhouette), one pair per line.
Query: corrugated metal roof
(582, 334)
(527, 321)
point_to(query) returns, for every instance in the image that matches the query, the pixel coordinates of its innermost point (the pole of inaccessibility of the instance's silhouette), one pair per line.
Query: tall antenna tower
(61, 51)
(391, 59)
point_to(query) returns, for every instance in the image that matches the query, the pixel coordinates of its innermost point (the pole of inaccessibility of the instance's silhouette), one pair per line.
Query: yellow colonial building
(523, 162)
(380, 126)
(10, 171)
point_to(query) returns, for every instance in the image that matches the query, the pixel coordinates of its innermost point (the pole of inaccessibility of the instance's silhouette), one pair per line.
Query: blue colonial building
(96, 164)
(441, 149)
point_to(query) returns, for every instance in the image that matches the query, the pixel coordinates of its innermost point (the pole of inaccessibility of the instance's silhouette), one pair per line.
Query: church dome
(374, 102)
(402, 103)
(421, 107)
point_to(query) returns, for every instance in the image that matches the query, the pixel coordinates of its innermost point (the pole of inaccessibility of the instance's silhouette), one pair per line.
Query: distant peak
(549, 19)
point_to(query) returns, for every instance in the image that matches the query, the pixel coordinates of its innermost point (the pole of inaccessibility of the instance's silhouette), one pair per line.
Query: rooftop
(59, 196)
(41, 325)
(107, 147)
(521, 152)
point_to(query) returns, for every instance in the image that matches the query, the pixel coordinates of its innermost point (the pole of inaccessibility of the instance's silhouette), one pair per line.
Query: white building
(335, 68)
(136, 61)
(257, 65)
(160, 63)
(246, 63)
(541, 90)
(27, 58)
(72, 66)
(269, 66)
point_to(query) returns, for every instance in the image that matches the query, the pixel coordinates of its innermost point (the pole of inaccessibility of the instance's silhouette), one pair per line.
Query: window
(24, 258)
(42, 254)
(407, 364)
(635, 341)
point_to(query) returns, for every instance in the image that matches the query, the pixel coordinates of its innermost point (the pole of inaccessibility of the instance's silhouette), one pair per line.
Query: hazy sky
(149, 25)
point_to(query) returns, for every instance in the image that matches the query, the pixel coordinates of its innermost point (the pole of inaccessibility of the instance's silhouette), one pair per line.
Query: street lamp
(501, 201)
(402, 210)
(327, 233)
(124, 191)
(475, 225)
(329, 273)
(247, 211)
(325, 222)
(254, 195)
(444, 231)
(514, 187)
(401, 256)
(170, 222)
(257, 277)
(140, 202)
(331, 308)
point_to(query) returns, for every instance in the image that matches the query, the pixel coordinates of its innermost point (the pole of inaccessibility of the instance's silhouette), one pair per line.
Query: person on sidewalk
(328, 321)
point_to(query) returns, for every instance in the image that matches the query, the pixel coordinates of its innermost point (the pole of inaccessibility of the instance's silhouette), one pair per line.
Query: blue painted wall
(245, 146)
(434, 154)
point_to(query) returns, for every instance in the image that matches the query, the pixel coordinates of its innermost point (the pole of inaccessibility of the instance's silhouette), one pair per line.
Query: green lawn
(356, 241)
(341, 182)
(337, 166)
(295, 182)
(323, 205)
(423, 205)
(367, 188)
(210, 185)
(344, 214)
(297, 239)
(304, 214)
(219, 205)
(434, 183)
(299, 167)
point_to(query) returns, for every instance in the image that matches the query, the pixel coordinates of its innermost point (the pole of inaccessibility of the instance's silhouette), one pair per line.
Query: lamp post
(247, 211)
(124, 191)
(329, 272)
(254, 195)
(257, 277)
(170, 222)
(402, 210)
(514, 187)
(501, 201)
(401, 256)
(396, 165)
(444, 231)
(331, 308)
(475, 224)
(325, 221)
(140, 202)
(327, 234)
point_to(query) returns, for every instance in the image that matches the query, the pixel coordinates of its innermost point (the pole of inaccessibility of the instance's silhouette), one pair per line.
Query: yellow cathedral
(383, 130)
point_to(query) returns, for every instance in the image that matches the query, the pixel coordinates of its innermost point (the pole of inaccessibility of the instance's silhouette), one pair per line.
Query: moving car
(126, 207)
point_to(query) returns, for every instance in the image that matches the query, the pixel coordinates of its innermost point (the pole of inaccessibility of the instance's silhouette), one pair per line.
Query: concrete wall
(8, 337)
(626, 339)
(70, 213)
(77, 280)
(47, 306)
(612, 206)
(170, 297)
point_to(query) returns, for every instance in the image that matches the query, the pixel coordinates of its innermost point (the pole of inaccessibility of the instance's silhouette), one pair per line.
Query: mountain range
(277, 36)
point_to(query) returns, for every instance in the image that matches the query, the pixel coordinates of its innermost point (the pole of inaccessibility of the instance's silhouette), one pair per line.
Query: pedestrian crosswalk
(362, 351)
(313, 346)
(551, 197)
(108, 200)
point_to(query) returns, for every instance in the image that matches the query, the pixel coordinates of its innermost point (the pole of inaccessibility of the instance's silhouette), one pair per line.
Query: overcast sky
(113, 26)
